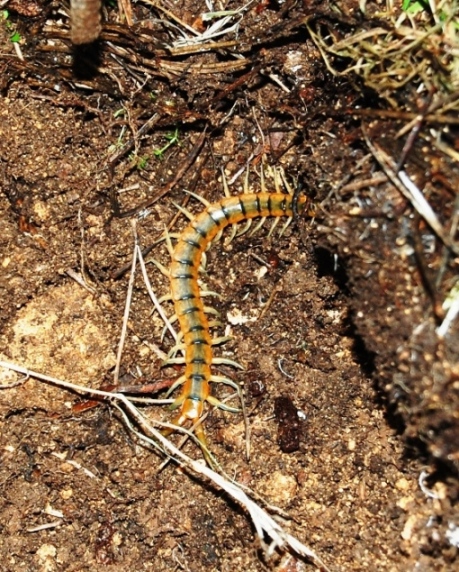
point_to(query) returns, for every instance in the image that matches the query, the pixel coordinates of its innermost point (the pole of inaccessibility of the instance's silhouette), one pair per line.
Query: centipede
(196, 341)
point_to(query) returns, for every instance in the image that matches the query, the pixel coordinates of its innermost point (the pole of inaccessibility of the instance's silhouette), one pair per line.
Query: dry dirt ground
(333, 315)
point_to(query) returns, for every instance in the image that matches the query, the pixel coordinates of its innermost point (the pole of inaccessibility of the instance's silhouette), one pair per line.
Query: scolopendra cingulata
(190, 311)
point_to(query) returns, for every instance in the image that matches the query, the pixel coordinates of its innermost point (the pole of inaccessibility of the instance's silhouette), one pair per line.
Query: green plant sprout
(15, 37)
(119, 142)
(172, 139)
(414, 6)
(139, 162)
(119, 113)
(142, 162)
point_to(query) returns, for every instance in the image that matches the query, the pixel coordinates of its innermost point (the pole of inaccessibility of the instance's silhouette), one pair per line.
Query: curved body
(189, 306)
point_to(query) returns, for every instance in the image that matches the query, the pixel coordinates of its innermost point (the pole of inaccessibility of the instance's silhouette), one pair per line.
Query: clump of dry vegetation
(404, 53)
(406, 57)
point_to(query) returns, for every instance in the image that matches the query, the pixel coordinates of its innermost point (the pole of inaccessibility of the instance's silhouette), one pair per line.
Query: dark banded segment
(219, 221)
(186, 297)
(191, 310)
(226, 212)
(193, 243)
(269, 205)
(186, 262)
(242, 205)
(196, 328)
(185, 276)
(200, 231)
(259, 209)
(200, 341)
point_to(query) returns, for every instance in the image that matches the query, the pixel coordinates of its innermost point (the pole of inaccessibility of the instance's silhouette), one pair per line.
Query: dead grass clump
(412, 50)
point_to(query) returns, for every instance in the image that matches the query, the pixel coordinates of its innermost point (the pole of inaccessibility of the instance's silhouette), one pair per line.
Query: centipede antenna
(196, 433)
(226, 361)
(198, 429)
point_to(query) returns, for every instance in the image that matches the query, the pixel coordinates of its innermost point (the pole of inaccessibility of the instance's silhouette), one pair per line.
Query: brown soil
(335, 314)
